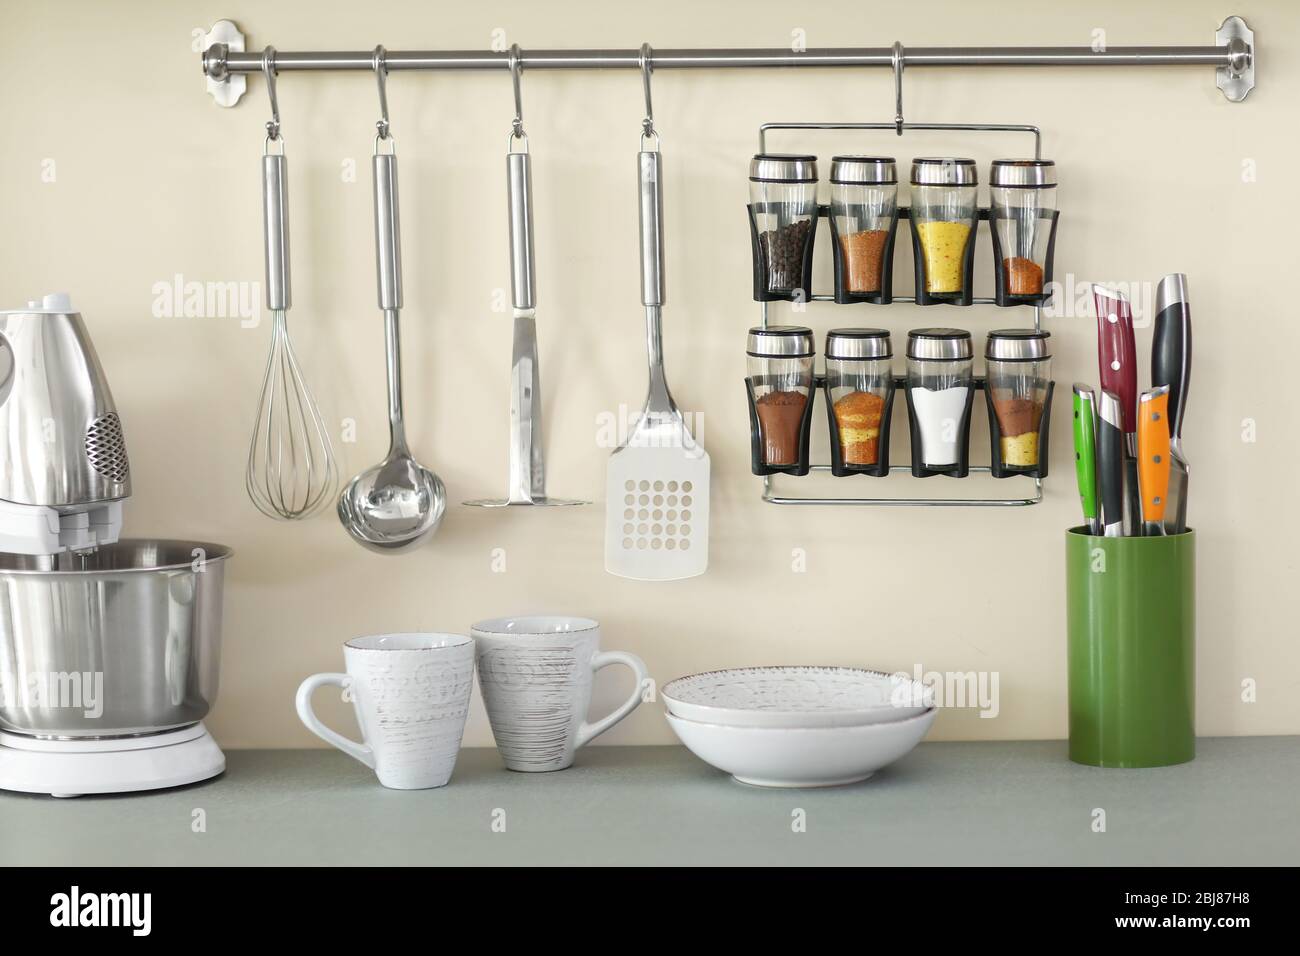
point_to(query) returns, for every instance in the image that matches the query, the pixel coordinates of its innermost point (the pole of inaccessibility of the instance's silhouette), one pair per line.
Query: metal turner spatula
(657, 482)
(527, 455)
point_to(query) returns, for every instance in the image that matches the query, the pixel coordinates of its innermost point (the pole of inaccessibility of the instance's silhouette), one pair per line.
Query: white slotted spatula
(657, 482)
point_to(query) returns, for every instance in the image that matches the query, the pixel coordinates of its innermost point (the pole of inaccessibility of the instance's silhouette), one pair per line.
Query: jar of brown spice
(779, 382)
(864, 214)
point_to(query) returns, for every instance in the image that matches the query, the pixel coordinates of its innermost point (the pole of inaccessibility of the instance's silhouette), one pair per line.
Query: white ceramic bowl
(796, 697)
(801, 756)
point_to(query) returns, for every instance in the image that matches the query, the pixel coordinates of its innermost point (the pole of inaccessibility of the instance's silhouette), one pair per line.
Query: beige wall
(152, 180)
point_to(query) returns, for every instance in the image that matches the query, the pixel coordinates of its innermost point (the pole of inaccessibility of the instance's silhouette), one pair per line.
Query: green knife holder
(1131, 614)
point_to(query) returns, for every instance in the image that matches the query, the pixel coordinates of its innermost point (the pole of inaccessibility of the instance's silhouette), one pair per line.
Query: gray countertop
(946, 803)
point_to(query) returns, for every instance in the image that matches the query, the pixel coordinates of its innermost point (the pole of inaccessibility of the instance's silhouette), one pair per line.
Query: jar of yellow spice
(943, 215)
(864, 215)
(860, 396)
(1018, 387)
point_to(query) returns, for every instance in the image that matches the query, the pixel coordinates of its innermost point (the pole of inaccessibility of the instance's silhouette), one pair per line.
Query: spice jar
(864, 207)
(780, 380)
(783, 207)
(1023, 193)
(944, 214)
(940, 376)
(859, 386)
(1018, 375)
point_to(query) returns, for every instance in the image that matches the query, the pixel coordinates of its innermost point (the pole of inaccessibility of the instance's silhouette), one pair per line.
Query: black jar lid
(942, 345)
(944, 171)
(1017, 345)
(864, 170)
(858, 344)
(1023, 173)
(783, 168)
(780, 342)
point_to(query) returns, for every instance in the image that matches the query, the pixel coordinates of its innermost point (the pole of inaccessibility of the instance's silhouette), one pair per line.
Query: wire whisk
(291, 466)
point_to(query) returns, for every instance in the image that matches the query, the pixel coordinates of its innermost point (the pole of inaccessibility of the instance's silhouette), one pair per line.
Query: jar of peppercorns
(783, 218)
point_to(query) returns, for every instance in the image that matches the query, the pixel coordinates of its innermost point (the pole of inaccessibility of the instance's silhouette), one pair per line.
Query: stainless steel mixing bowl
(122, 641)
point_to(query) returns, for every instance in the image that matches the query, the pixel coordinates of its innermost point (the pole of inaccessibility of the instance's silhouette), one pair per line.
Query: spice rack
(770, 494)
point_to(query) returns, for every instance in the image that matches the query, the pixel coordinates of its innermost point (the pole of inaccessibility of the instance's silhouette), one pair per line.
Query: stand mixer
(109, 649)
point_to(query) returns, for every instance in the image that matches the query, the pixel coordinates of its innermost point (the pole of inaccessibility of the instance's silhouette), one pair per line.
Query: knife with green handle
(1085, 455)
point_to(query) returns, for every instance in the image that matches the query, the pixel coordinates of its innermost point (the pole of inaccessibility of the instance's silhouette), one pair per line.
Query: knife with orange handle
(1153, 457)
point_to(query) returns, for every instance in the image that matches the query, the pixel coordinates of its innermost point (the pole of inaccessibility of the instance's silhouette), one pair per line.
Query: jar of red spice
(864, 213)
(1023, 215)
(780, 381)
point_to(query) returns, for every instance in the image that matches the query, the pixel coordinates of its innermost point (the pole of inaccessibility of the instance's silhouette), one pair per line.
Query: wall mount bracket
(224, 86)
(1237, 79)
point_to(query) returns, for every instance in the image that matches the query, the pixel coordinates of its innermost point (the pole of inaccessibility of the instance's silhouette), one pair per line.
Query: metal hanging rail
(1232, 56)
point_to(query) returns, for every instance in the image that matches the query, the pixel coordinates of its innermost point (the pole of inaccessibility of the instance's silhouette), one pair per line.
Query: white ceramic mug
(536, 675)
(411, 694)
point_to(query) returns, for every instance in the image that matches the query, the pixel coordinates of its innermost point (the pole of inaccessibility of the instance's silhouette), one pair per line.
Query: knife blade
(1110, 464)
(1171, 364)
(1085, 454)
(1153, 457)
(1117, 363)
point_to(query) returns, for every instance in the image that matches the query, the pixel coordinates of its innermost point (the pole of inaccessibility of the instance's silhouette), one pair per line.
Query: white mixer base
(73, 768)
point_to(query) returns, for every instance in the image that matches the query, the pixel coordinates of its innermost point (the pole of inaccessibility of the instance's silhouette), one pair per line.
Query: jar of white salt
(940, 376)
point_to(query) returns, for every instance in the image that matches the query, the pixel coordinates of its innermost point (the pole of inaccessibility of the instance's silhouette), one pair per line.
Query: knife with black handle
(1171, 364)
(1117, 363)
(1110, 464)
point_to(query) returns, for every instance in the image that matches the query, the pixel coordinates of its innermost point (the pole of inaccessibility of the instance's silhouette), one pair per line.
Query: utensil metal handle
(388, 238)
(649, 169)
(275, 215)
(659, 401)
(519, 183)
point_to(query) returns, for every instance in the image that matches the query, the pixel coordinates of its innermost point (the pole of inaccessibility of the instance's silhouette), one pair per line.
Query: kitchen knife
(1153, 457)
(1171, 364)
(1117, 363)
(1085, 454)
(1110, 464)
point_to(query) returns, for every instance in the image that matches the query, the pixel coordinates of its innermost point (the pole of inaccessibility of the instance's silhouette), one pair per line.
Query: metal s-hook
(648, 124)
(897, 60)
(381, 73)
(517, 127)
(268, 69)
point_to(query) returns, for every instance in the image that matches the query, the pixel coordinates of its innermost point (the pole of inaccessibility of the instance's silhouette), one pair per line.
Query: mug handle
(589, 732)
(308, 717)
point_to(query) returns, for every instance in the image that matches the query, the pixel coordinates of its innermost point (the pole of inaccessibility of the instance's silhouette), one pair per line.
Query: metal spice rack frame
(900, 126)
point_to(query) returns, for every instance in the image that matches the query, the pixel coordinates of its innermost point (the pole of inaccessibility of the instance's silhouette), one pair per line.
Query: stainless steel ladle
(397, 504)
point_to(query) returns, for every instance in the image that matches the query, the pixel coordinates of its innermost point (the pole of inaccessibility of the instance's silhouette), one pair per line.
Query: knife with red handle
(1153, 457)
(1117, 365)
